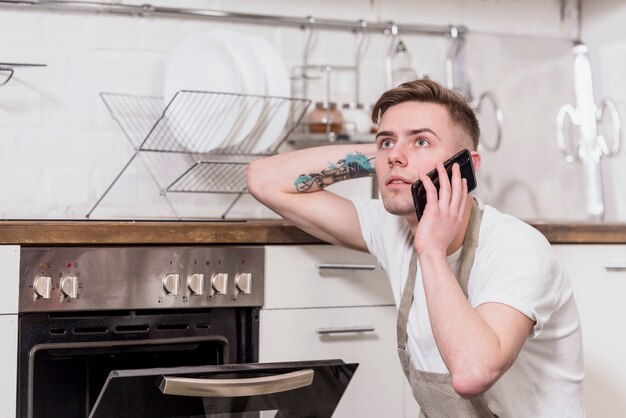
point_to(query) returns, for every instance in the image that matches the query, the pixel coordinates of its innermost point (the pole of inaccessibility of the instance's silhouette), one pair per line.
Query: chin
(399, 208)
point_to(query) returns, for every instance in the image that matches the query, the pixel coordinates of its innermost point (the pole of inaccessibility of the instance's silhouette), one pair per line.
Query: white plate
(277, 84)
(202, 63)
(253, 82)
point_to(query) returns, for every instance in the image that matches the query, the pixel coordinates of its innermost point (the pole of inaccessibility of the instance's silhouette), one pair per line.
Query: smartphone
(464, 158)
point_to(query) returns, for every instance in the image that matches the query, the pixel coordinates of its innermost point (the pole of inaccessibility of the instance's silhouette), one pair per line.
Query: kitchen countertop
(126, 232)
(121, 232)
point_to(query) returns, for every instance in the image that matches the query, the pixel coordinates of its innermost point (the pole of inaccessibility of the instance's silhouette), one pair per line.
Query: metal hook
(499, 118)
(393, 32)
(310, 22)
(608, 104)
(309, 41)
(566, 111)
(363, 35)
(357, 59)
(8, 70)
(457, 40)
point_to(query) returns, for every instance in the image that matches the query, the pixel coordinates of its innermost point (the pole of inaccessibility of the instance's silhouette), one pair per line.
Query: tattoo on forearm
(352, 166)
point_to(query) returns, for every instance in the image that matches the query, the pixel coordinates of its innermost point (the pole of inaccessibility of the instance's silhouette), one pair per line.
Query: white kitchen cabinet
(323, 276)
(376, 390)
(311, 291)
(10, 262)
(8, 377)
(598, 276)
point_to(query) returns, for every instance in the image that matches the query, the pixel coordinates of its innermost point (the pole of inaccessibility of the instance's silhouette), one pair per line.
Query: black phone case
(464, 158)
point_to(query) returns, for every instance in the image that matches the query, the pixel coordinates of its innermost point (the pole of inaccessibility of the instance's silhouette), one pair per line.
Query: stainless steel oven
(156, 332)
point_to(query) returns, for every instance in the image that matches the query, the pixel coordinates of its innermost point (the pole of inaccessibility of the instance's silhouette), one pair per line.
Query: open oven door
(285, 390)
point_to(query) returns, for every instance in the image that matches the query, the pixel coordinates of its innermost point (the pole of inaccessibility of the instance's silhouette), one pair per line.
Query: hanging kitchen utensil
(401, 65)
(590, 146)
(398, 62)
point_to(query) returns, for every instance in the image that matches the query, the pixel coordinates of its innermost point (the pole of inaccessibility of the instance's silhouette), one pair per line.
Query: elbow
(471, 383)
(253, 179)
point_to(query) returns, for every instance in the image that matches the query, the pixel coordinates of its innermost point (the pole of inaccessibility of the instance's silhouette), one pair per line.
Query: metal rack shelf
(310, 140)
(201, 142)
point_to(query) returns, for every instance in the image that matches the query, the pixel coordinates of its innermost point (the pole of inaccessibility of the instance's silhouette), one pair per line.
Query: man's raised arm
(292, 184)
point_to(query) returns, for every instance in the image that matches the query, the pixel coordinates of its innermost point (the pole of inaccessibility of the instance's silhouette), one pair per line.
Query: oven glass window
(65, 358)
(79, 373)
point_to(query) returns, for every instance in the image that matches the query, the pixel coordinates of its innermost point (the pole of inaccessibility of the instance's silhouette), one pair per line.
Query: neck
(457, 242)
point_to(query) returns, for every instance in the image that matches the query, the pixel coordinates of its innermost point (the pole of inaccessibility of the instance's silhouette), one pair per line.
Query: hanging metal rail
(148, 10)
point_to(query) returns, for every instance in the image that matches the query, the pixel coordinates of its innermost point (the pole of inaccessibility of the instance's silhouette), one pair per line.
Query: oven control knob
(219, 283)
(195, 283)
(170, 284)
(43, 287)
(69, 287)
(243, 282)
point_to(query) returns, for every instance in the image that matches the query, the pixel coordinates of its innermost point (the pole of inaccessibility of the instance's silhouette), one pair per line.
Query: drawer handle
(228, 388)
(615, 267)
(368, 267)
(345, 330)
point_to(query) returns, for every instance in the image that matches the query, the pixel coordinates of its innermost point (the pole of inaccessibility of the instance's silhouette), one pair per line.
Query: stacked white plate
(227, 62)
(276, 85)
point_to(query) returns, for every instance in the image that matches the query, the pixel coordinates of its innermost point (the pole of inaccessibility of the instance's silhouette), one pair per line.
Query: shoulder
(501, 232)
(511, 248)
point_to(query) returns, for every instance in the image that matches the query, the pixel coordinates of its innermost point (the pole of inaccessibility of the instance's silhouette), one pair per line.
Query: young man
(487, 321)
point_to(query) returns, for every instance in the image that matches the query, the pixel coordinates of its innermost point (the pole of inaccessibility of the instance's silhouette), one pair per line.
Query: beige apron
(433, 391)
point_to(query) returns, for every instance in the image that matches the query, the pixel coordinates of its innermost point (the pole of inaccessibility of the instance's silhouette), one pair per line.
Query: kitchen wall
(60, 148)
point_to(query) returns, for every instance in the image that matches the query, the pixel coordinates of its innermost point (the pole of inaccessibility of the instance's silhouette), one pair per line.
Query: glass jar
(325, 118)
(356, 119)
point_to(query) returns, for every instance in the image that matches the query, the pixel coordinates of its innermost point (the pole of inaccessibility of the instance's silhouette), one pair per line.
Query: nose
(397, 156)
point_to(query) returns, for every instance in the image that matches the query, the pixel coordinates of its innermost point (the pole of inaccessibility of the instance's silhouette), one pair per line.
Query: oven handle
(228, 388)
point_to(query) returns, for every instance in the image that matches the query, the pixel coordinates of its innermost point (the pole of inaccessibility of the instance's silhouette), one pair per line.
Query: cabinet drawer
(10, 262)
(598, 276)
(376, 390)
(8, 351)
(323, 276)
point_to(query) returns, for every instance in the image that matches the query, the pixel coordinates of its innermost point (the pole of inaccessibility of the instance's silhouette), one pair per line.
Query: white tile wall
(605, 33)
(60, 148)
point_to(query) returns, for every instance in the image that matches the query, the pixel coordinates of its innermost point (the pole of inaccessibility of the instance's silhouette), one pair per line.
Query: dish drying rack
(175, 142)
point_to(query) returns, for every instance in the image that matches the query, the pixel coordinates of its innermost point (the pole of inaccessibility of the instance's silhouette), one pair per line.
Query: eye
(386, 143)
(421, 142)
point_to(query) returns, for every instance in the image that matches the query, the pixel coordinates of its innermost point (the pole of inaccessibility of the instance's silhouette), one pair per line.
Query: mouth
(398, 182)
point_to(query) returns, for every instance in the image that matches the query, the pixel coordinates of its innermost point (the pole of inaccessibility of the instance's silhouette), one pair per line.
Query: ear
(475, 159)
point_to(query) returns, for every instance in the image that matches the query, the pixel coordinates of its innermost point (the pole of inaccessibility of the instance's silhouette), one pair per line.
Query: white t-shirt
(514, 265)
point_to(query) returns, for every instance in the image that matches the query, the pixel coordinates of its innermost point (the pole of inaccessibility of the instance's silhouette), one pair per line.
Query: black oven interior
(66, 358)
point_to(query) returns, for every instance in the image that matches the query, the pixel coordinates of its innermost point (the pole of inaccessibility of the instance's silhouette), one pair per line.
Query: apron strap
(470, 242)
(406, 301)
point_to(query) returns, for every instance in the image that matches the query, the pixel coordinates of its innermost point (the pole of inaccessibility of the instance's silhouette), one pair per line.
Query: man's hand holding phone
(441, 197)
(444, 211)
(464, 159)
